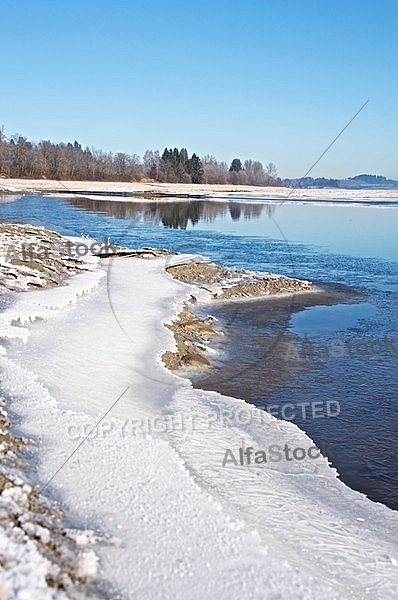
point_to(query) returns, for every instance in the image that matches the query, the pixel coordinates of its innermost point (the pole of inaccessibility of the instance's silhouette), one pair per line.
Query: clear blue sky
(273, 80)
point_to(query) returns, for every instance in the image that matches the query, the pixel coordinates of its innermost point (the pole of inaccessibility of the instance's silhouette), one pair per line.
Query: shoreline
(166, 192)
(178, 500)
(48, 265)
(223, 285)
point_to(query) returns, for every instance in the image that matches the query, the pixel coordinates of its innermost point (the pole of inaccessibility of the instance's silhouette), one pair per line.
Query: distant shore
(168, 191)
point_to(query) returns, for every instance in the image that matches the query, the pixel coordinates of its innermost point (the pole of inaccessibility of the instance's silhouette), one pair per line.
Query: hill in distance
(374, 182)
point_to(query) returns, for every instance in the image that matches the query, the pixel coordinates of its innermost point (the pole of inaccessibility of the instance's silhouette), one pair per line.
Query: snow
(27, 578)
(177, 523)
(220, 193)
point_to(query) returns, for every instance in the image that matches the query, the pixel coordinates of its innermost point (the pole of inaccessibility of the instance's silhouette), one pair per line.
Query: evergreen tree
(182, 167)
(195, 169)
(236, 166)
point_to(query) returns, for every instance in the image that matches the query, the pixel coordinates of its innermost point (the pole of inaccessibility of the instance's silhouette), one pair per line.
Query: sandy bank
(221, 283)
(170, 190)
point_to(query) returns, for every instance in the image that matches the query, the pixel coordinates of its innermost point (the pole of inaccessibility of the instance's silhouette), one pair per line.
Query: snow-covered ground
(178, 524)
(217, 192)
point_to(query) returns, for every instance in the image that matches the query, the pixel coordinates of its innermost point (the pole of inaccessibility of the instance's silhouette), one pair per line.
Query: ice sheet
(186, 526)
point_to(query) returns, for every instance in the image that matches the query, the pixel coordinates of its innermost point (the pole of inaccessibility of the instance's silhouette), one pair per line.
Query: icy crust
(167, 537)
(180, 524)
(37, 305)
(300, 510)
(39, 557)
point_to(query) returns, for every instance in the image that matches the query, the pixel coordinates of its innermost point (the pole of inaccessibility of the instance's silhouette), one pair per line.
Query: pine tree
(236, 166)
(182, 167)
(195, 169)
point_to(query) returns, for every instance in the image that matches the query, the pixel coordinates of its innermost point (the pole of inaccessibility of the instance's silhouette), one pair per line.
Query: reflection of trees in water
(234, 211)
(270, 209)
(175, 215)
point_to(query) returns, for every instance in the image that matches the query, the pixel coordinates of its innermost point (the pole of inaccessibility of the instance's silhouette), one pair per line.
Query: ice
(180, 525)
(27, 579)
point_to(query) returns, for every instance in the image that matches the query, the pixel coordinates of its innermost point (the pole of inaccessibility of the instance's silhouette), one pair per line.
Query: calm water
(354, 250)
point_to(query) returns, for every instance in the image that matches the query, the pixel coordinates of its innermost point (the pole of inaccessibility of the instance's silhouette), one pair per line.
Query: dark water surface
(352, 250)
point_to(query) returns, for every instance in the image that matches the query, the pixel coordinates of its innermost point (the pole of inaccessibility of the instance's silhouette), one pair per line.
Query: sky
(268, 80)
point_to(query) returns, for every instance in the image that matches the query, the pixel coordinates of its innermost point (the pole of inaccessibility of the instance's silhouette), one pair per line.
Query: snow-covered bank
(166, 192)
(179, 523)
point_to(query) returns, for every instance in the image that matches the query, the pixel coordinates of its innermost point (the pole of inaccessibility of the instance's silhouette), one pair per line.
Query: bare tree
(255, 172)
(272, 174)
(3, 151)
(213, 171)
(151, 164)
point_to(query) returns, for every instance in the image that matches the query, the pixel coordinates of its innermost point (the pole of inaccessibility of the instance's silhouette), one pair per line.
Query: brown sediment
(274, 285)
(220, 281)
(200, 272)
(190, 334)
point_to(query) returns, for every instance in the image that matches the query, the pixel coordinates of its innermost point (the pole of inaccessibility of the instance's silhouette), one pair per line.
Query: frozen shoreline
(229, 532)
(166, 192)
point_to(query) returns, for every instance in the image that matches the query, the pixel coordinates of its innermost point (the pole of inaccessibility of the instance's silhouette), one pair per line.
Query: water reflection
(175, 215)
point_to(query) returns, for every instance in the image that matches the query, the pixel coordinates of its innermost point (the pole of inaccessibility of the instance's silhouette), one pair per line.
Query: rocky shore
(33, 257)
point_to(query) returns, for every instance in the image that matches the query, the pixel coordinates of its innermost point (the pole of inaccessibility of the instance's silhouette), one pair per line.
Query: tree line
(310, 182)
(21, 158)
(357, 182)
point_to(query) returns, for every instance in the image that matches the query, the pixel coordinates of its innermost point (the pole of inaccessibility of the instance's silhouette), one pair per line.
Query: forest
(24, 159)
